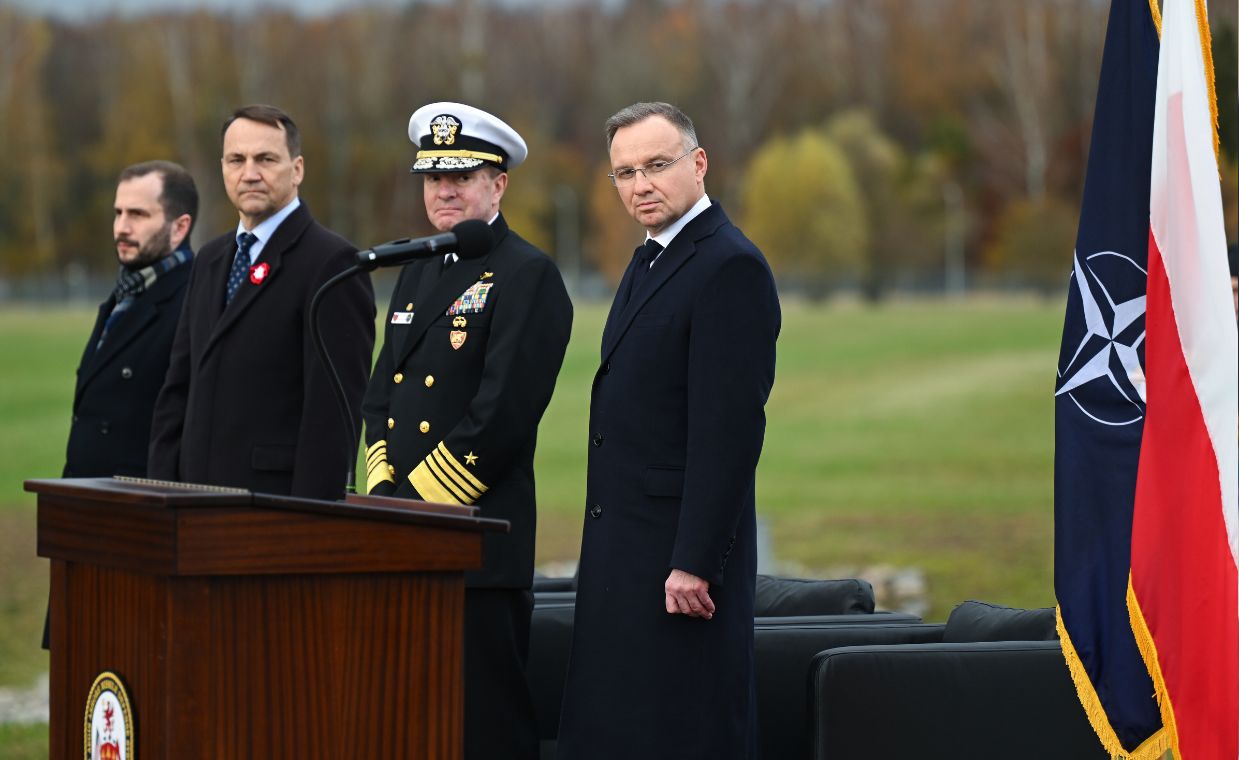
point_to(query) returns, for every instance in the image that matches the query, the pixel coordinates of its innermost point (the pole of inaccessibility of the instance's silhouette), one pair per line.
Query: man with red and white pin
(247, 402)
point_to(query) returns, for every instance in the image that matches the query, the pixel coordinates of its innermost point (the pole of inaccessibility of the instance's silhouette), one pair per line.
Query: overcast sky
(84, 9)
(79, 9)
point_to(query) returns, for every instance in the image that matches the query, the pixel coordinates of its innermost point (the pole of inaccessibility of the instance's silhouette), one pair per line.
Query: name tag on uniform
(401, 317)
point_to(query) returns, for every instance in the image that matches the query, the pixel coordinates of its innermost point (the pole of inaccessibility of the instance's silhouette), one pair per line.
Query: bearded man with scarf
(126, 356)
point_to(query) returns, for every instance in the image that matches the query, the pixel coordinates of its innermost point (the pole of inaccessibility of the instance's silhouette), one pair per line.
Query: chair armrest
(849, 619)
(542, 583)
(553, 598)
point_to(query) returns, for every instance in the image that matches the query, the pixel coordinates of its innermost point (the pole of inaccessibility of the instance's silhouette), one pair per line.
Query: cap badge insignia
(259, 272)
(457, 337)
(444, 129)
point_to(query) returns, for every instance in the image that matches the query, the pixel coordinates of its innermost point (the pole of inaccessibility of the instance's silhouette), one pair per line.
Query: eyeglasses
(621, 177)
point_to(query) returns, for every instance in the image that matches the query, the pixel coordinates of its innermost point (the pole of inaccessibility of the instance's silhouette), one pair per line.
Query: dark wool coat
(247, 402)
(117, 384)
(676, 426)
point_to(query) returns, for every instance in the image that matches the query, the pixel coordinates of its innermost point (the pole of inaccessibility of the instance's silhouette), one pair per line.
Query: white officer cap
(454, 137)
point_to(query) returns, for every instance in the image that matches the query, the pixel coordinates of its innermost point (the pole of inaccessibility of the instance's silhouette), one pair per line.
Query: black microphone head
(473, 238)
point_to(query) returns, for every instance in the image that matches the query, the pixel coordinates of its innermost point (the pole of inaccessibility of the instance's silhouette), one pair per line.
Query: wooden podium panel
(254, 626)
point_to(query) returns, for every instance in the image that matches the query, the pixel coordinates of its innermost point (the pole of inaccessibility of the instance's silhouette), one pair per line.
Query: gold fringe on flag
(1206, 50)
(1151, 749)
(1148, 652)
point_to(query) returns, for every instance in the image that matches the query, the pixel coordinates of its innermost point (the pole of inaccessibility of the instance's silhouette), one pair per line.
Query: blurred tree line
(868, 144)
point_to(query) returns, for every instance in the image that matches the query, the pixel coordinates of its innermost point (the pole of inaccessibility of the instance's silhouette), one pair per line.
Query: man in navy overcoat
(662, 653)
(126, 356)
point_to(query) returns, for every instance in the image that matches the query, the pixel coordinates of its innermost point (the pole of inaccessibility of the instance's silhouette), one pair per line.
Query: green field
(914, 435)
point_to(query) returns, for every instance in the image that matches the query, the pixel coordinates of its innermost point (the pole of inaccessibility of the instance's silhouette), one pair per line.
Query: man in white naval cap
(469, 360)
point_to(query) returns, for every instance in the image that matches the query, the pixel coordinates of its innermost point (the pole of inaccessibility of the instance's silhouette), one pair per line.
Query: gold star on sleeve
(440, 477)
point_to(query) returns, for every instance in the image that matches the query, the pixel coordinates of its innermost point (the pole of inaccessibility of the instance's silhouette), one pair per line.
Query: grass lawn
(918, 434)
(24, 741)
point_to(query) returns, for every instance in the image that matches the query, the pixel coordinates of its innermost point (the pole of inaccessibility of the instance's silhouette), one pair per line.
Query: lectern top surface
(173, 495)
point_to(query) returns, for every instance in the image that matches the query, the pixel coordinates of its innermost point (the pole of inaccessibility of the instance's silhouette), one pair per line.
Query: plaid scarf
(132, 283)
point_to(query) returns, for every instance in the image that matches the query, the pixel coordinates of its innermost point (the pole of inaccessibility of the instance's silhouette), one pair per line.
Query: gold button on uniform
(424, 427)
(398, 378)
(391, 468)
(430, 380)
(409, 306)
(390, 423)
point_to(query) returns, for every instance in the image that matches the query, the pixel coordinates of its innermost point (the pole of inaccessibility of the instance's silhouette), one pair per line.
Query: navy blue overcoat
(676, 427)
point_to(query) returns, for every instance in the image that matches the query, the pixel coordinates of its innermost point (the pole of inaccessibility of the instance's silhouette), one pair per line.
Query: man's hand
(688, 595)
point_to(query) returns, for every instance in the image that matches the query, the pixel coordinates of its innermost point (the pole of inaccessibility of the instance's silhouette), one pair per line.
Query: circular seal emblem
(109, 720)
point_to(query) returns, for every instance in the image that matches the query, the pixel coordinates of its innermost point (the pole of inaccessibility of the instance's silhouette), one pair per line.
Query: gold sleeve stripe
(444, 474)
(465, 475)
(435, 470)
(428, 487)
(378, 475)
(449, 475)
(460, 154)
(376, 466)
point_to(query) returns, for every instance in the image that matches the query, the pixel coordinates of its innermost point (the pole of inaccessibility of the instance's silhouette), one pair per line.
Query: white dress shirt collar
(665, 237)
(267, 227)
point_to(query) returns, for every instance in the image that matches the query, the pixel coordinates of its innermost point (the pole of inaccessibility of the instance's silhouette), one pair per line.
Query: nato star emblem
(1103, 377)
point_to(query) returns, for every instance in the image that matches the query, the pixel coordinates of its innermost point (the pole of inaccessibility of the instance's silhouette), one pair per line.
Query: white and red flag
(1183, 596)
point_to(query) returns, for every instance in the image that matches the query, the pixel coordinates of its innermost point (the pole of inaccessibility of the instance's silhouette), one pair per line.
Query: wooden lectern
(247, 625)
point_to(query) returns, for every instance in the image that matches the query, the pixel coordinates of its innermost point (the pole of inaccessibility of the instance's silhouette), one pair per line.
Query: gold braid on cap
(459, 154)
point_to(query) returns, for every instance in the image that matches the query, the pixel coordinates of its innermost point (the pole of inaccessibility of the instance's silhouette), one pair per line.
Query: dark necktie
(240, 264)
(645, 255)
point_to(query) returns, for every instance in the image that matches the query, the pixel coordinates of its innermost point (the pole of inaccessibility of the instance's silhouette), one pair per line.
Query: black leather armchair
(991, 682)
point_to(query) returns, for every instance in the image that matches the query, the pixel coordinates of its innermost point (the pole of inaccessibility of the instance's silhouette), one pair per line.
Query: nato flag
(1099, 400)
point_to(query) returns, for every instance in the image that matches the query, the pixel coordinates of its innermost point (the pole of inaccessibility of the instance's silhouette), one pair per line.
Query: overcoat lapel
(621, 299)
(286, 235)
(87, 367)
(127, 328)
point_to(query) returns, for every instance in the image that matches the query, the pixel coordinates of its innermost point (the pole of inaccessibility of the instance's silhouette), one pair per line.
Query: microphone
(470, 239)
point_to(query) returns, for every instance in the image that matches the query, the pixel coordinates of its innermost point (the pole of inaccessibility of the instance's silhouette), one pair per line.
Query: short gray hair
(636, 112)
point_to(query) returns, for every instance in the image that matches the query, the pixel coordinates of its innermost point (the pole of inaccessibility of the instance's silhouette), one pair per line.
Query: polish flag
(1184, 596)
